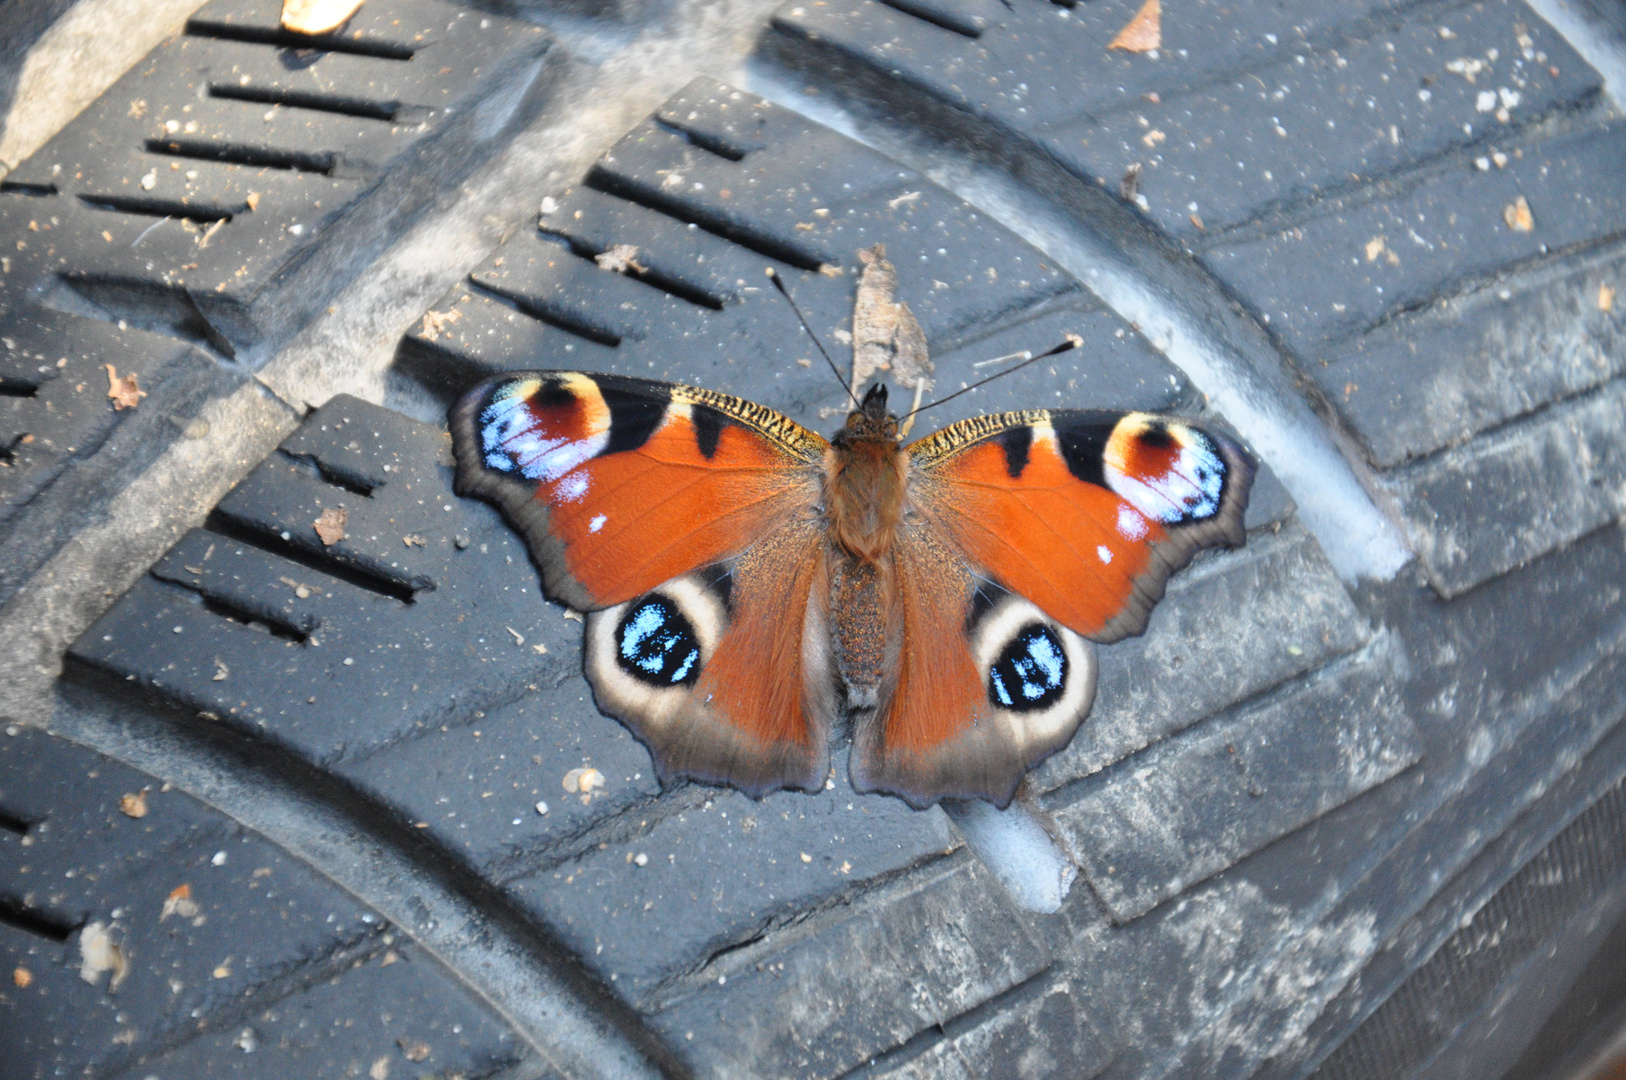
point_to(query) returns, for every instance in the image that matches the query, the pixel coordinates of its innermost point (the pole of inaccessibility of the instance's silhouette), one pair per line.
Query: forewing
(1086, 514)
(725, 673)
(621, 484)
(986, 684)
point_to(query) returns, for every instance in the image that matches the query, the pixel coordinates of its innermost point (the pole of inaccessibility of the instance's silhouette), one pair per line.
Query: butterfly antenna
(1072, 341)
(773, 276)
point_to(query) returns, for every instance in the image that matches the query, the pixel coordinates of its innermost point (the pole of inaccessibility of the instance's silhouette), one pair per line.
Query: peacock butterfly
(751, 586)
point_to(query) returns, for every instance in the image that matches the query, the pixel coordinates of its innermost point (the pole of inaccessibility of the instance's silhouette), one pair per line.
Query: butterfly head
(870, 422)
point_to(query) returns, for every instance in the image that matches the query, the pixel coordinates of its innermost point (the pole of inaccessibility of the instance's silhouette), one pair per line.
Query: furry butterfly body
(753, 588)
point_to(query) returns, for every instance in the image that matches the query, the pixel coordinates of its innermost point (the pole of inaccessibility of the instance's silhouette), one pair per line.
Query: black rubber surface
(1322, 827)
(211, 202)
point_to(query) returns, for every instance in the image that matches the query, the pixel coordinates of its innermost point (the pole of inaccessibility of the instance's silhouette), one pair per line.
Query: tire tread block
(1435, 378)
(1501, 500)
(1343, 114)
(59, 410)
(1048, 1033)
(166, 100)
(397, 1007)
(727, 872)
(424, 596)
(260, 923)
(229, 256)
(1193, 805)
(839, 993)
(1229, 628)
(1019, 72)
(1362, 262)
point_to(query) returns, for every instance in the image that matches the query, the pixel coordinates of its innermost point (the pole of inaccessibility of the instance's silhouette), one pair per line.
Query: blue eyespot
(655, 644)
(1031, 673)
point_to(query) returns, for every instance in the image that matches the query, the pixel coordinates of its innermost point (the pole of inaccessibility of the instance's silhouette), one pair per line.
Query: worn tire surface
(279, 803)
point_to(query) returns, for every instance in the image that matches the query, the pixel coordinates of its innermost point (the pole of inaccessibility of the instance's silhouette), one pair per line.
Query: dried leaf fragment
(1517, 215)
(886, 335)
(413, 1049)
(436, 322)
(317, 16)
(134, 804)
(209, 233)
(1144, 32)
(330, 526)
(619, 258)
(123, 390)
(179, 902)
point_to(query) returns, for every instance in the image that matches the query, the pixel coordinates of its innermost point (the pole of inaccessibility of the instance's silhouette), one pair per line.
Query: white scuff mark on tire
(1015, 846)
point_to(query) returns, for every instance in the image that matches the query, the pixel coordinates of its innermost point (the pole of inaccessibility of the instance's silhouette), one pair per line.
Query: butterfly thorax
(864, 480)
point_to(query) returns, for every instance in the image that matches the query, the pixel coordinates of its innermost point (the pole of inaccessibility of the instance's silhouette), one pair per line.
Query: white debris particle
(99, 953)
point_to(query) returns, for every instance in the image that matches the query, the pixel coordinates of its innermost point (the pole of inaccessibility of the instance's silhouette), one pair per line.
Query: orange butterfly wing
(1033, 531)
(682, 520)
(619, 484)
(1087, 514)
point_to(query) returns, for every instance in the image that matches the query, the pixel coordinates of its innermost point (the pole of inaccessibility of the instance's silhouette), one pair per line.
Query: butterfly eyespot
(656, 644)
(1031, 672)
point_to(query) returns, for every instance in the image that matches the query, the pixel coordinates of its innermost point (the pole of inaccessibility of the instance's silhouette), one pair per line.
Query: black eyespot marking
(1083, 444)
(1156, 435)
(553, 395)
(634, 414)
(708, 428)
(1031, 673)
(655, 644)
(1016, 441)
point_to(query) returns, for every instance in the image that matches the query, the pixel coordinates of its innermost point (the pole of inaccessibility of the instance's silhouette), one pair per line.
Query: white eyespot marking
(597, 523)
(1131, 525)
(1103, 552)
